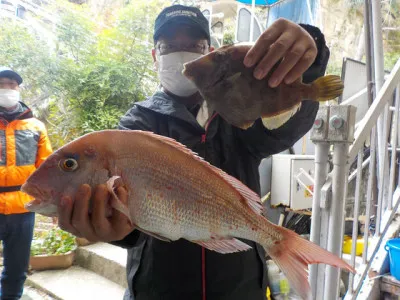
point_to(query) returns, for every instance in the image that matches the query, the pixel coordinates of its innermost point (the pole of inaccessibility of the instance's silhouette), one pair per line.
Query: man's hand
(287, 40)
(74, 215)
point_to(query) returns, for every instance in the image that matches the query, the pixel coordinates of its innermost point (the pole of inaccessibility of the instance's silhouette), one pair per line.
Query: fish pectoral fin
(154, 235)
(116, 203)
(224, 246)
(278, 120)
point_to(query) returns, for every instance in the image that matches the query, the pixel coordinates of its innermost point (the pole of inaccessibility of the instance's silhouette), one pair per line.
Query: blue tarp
(297, 11)
(258, 2)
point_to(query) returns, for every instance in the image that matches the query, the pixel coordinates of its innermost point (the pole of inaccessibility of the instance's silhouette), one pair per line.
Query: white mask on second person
(170, 67)
(9, 98)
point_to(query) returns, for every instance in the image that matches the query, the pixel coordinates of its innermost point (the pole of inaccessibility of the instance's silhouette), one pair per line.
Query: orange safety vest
(24, 145)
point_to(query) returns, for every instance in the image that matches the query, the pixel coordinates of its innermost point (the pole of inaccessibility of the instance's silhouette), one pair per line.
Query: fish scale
(173, 194)
(164, 178)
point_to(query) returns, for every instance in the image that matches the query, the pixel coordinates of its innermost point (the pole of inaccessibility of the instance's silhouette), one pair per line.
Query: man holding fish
(180, 269)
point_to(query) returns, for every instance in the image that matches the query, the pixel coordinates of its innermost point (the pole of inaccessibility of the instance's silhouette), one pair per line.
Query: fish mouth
(41, 204)
(31, 190)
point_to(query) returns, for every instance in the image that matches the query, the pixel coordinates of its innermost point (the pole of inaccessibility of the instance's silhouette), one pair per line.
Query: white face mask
(9, 98)
(170, 67)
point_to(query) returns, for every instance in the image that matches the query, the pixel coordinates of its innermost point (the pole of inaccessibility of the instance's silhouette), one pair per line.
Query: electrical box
(292, 181)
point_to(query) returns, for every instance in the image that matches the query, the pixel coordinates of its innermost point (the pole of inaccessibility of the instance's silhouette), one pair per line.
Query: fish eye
(69, 164)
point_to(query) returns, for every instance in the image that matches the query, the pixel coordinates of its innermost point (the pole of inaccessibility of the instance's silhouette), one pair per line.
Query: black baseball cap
(180, 14)
(8, 73)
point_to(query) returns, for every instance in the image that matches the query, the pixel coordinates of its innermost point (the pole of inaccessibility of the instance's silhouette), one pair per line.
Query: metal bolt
(318, 123)
(336, 122)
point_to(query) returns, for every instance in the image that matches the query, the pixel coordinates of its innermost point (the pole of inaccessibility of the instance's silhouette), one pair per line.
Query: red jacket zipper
(203, 251)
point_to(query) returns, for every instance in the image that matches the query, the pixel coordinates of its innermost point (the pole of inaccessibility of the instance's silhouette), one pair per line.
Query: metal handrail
(372, 115)
(328, 209)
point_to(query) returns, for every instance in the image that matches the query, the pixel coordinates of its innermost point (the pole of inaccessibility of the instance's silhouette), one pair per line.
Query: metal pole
(379, 80)
(368, 51)
(253, 8)
(357, 200)
(371, 178)
(383, 168)
(395, 128)
(371, 93)
(378, 44)
(336, 221)
(326, 196)
(321, 170)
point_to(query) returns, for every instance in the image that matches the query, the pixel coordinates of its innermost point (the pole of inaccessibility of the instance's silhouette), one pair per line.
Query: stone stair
(104, 259)
(98, 272)
(76, 283)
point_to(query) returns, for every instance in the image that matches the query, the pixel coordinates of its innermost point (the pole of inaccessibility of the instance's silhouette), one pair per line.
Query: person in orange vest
(24, 145)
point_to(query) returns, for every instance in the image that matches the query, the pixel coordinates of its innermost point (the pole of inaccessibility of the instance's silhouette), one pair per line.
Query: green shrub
(53, 242)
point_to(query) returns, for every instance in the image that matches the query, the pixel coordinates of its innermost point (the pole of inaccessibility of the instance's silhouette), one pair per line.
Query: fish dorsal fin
(250, 197)
(171, 142)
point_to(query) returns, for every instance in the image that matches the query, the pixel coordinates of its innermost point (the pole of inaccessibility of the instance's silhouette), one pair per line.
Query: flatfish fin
(277, 121)
(224, 246)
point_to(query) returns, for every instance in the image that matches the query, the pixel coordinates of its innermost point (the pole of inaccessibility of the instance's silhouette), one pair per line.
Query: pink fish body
(173, 194)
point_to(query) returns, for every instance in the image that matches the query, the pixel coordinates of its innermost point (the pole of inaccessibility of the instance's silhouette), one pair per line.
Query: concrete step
(75, 283)
(31, 293)
(105, 260)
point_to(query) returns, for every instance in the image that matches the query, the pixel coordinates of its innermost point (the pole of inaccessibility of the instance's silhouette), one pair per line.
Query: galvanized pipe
(377, 44)
(382, 172)
(355, 216)
(369, 57)
(321, 171)
(379, 71)
(394, 145)
(371, 178)
(336, 220)
(326, 193)
(379, 74)
(364, 164)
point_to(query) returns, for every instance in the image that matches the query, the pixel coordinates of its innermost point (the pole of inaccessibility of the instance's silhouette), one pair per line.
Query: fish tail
(293, 254)
(327, 88)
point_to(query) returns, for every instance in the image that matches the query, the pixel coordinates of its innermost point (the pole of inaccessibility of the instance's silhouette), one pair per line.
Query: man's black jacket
(160, 270)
